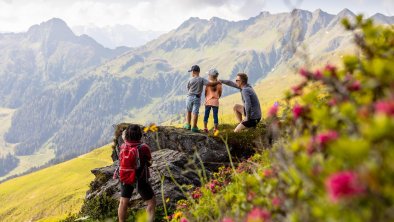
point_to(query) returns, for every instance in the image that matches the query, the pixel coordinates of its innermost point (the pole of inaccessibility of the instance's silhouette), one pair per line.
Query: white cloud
(18, 15)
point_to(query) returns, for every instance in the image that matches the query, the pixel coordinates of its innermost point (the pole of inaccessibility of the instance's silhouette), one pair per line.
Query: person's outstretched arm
(229, 83)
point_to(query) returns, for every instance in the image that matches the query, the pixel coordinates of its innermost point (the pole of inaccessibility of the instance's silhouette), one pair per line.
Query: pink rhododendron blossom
(385, 107)
(258, 215)
(297, 111)
(324, 138)
(196, 194)
(343, 185)
(276, 201)
(304, 72)
(297, 90)
(227, 219)
(354, 86)
(268, 173)
(318, 75)
(183, 220)
(332, 102)
(273, 111)
(330, 68)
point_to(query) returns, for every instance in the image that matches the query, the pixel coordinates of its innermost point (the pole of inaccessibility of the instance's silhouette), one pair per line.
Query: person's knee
(238, 108)
(151, 204)
(239, 128)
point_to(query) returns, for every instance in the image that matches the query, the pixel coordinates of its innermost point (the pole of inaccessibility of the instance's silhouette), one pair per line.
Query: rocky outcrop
(178, 155)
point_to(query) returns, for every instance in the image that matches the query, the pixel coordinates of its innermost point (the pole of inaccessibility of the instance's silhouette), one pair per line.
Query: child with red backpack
(134, 160)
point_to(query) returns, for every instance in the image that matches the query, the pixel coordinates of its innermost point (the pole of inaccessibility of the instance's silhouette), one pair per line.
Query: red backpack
(129, 162)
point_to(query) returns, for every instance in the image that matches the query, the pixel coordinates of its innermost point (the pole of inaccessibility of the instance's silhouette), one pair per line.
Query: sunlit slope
(52, 193)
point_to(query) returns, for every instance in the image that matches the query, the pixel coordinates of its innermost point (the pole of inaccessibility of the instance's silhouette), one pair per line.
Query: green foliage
(100, 207)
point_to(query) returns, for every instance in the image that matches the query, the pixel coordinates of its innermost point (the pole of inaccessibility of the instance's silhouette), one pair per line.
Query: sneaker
(187, 126)
(206, 130)
(195, 130)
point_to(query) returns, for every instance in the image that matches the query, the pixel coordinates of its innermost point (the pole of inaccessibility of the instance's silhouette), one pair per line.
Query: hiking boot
(195, 130)
(206, 130)
(187, 126)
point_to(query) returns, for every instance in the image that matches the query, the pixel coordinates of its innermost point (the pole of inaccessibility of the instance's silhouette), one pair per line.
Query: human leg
(147, 194)
(215, 116)
(239, 112)
(239, 128)
(122, 209)
(206, 117)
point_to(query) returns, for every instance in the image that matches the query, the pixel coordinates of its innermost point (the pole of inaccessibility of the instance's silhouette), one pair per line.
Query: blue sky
(162, 15)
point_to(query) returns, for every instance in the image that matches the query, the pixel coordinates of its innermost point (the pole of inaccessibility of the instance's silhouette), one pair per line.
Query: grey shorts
(193, 103)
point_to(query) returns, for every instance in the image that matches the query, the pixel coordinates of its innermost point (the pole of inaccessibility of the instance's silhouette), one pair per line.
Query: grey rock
(175, 158)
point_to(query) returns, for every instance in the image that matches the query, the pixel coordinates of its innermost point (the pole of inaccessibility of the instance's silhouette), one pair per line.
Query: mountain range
(60, 93)
(118, 35)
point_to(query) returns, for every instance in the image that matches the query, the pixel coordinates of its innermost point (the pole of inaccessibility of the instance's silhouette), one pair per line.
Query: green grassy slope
(52, 193)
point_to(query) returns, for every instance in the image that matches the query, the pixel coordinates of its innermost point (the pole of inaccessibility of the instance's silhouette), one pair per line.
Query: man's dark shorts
(144, 188)
(251, 123)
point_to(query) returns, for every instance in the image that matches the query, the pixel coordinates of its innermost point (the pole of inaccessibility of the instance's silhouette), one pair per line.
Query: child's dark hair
(119, 128)
(133, 133)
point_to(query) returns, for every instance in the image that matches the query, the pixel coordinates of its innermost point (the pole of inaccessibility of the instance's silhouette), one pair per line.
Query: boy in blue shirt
(195, 86)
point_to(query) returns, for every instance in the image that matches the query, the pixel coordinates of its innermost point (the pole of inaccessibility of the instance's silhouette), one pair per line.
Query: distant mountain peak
(346, 13)
(53, 29)
(264, 13)
(300, 11)
(382, 19)
(191, 21)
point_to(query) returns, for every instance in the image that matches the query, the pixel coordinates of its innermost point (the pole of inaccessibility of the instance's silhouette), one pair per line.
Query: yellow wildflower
(216, 133)
(177, 215)
(146, 129)
(153, 128)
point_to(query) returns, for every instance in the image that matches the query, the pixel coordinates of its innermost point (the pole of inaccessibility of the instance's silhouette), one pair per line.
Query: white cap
(213, 72)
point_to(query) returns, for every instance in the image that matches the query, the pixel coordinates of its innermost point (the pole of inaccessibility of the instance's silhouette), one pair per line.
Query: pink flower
(268, 173)
(385, 107)
(196, 194)
(330, 68)
(227, 219)
(183, 220)
(212, 187)
(276, 201)
(304, 72)
(297, 90)
(333, 102)
(318, 75)
(258, 215)
(326, 137)
(273, 111)
(343, 185)
(297, 111)
(354, 86)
